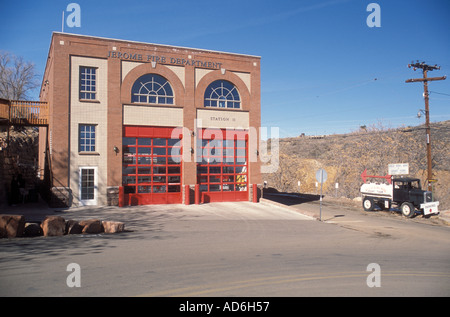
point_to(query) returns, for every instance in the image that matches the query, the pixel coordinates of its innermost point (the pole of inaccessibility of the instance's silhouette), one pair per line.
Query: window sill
(90, 100)
(89, 153)
(223, 109)
(154, 105)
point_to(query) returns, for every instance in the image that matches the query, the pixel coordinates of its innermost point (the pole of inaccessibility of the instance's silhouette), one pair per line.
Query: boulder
(91, 226)
(73, 227)
(53, 226)
(32, 230)
(113, 226)
(11, 226)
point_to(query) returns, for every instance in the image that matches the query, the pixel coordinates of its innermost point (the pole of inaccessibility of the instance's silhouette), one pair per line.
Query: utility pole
(425, 68)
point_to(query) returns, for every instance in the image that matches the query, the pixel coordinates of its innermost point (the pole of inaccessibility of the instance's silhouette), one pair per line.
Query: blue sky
(323, 70)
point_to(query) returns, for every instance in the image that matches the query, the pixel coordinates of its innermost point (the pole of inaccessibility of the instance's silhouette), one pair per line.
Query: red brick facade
(119, 64)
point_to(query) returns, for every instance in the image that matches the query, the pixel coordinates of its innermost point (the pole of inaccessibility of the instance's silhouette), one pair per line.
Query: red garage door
(222, 171)
(151, 169)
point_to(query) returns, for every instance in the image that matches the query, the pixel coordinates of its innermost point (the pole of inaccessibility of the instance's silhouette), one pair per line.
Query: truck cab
(408, 189)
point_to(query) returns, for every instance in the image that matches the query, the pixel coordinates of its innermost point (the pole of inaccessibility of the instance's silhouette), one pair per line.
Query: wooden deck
(18, 112)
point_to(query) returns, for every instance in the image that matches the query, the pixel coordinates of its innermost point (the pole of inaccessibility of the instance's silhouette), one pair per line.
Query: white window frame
(153, 91)
(88, 202)
(222, 96)
(87, 138)
(90, 83)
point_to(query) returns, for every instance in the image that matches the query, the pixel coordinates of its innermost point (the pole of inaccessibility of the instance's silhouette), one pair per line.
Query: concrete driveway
(144, 218)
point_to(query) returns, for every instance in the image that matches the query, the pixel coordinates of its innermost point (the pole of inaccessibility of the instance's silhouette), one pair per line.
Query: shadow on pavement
(289, 199)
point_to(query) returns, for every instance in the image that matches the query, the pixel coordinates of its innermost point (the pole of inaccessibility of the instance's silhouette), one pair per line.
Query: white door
(88, 186)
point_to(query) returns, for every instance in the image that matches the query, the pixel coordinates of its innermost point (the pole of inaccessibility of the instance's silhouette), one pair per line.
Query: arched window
(152, 89)
(222, 94)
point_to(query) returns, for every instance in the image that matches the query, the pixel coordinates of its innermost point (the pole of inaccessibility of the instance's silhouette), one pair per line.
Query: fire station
(133, 123)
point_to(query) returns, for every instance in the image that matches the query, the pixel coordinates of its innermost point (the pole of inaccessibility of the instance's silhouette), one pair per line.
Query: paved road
(232, 249)
(351, 214)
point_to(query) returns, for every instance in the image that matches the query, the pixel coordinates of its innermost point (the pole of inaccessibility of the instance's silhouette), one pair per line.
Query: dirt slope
(346, 156)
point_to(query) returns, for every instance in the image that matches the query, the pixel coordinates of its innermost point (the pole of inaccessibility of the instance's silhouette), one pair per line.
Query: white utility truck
(403, 192)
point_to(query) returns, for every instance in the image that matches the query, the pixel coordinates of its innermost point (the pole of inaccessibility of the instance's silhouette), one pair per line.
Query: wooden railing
(4, 109)
(25, 112)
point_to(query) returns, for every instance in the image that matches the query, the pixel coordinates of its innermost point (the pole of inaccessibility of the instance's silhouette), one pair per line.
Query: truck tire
(368, 204)
(408, 209)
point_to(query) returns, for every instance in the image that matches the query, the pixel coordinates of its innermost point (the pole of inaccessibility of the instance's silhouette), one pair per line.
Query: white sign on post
(398, 169)
(321, 176)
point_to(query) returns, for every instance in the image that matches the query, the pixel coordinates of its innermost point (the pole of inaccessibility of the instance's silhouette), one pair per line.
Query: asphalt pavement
(230, 249)
(343, 212)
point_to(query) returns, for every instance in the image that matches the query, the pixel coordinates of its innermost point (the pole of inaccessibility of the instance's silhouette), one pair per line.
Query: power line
(440, 93)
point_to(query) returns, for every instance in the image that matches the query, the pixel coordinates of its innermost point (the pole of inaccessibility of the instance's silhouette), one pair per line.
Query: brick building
(138, 123)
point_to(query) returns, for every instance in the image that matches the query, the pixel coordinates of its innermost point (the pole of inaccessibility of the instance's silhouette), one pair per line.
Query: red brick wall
(57, 93)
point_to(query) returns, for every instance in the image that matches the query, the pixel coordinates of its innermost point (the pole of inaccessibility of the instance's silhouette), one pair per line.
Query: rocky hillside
(346, 156)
